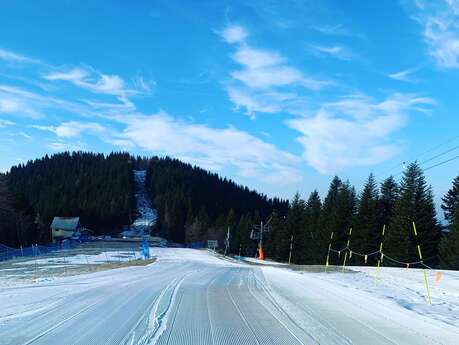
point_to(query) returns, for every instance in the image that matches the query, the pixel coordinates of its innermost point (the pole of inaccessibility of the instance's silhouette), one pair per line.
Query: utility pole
(291, 247)
(227, 240)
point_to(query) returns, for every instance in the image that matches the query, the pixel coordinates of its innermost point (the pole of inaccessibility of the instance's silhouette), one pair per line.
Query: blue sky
(277, 95)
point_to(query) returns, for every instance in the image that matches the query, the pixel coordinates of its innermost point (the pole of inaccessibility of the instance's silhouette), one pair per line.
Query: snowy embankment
(395, 294)
(406, 288)
(83, 259)
(262, 262)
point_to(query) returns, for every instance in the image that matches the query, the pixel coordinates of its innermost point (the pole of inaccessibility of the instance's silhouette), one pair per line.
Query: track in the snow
(188, 302)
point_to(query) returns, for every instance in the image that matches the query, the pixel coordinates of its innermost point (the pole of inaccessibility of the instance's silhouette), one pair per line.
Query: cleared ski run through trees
(192, 297)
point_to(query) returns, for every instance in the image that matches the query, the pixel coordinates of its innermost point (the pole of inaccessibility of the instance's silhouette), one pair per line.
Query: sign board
(212, 244)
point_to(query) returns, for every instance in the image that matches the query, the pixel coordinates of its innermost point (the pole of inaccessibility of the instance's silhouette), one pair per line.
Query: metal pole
(328, 253)
(347, 249)
(35, 252)
(227, 240)
(291, 247)
(381, 255)
(240, 248)
(261, 234)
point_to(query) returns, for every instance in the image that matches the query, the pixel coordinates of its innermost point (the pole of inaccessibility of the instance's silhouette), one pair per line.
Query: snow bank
(263, 262)
(406, 287)
(83, 259)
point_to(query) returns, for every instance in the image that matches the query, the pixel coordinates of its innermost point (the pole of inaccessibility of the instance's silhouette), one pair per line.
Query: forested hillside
(194, 204)
(95, 187)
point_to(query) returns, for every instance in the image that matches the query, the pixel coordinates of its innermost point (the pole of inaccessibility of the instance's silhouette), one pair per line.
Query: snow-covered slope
(145, 214)
(192, 297)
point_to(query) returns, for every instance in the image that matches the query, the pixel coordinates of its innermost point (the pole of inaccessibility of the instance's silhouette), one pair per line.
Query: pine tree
(276, 246)
(296, 227)
(346, 207)
(366, 232)
(313, 210)
(449, 245)
(415, 204)
(328, 219)
(388, 196)
(450, 201)
(337, 215)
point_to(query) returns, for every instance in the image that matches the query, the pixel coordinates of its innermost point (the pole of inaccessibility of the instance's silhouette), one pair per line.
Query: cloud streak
(209, 147)
(10, 56)
(404, 75)
(336, 51)
(440, 21)
(72, 129)
(263, 74)
(354, 131)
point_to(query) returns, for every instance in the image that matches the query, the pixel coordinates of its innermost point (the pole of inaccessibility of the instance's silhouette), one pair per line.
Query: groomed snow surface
(194, 297)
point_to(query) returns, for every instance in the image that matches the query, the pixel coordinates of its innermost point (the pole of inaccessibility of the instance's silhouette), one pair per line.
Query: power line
(441, 163)
(424, 153)
(435, 157)
(440, 154)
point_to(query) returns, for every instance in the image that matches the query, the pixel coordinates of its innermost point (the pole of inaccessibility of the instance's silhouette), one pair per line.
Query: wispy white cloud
(265, 81)
(263, 69)
(440, 21)
(336, 30)
(354, 131)
(24, 103)
(404, 75)
(270, 102)
(209, 147)
(234, 34)
(336, 51)
(4, 123)
(14, 57)
(72, 129)
(95, 82)
(67, 146)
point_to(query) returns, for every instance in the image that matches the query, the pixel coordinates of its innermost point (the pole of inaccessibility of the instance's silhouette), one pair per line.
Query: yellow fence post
(426, 282)
(328, 253)
(381, 255)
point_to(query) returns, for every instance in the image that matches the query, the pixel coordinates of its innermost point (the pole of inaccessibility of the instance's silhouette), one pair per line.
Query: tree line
(194, 204)
(95, 187)
(390, 205)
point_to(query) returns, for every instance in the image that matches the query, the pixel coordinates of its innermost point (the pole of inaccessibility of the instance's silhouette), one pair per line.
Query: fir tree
(366, 232)
(276, 246)
(450, 201)
(388, 196)
(449, 245)
(415, 204)
(313, 233)
(296, 227)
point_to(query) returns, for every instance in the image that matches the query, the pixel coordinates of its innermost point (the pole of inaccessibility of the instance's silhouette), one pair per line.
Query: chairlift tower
(257, 234)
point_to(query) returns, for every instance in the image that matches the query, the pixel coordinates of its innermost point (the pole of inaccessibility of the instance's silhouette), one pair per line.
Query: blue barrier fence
(8, 253)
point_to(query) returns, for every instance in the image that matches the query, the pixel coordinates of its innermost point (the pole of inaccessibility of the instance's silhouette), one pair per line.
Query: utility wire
(439, 155)
(441, 163)
(424, 153)
(437, 164)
